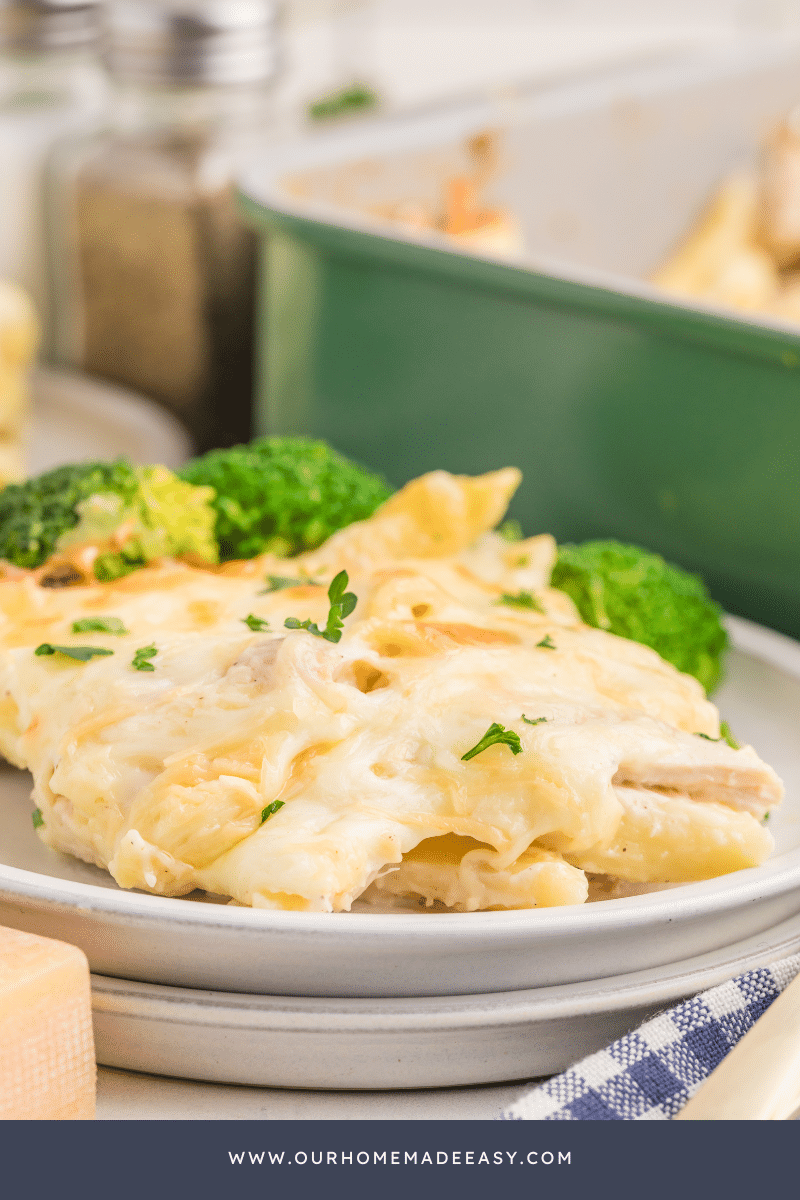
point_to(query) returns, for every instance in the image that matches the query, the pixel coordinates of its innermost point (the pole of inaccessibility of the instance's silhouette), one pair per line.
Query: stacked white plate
(414, 999)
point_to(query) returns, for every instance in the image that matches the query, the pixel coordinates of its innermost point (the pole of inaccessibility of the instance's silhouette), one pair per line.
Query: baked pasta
(408, 710)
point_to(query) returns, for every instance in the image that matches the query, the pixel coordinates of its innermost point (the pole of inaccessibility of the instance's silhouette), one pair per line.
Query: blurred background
(420, 51)
(435, 232)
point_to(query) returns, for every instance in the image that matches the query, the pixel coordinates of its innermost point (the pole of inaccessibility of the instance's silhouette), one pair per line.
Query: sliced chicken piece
(703, 769)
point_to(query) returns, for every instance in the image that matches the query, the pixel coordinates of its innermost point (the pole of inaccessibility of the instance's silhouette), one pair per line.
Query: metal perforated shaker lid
(191, 41)
(29, 26)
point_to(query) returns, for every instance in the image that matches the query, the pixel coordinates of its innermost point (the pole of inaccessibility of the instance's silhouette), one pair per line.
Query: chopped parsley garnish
(342, 604)
(495, 735)
(139, 661)
(37, 818)
(257, 624)
(357, 97)
(100, 625)
(535, 721)
(764, 819)
(511, 531)
(725, 735)
(79, 653)
(309, 625)
(521, 600)
(278, 583)
(267, 812)
(546, 643)
(725, 731)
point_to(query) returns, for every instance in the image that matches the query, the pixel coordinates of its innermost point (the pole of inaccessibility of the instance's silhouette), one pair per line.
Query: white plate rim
(662, 985)
(773, 878)
(136, 416)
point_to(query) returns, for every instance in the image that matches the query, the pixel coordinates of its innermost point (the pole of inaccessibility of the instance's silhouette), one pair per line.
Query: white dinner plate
(75, 417)
(202, 944)
(279, 1041)
(208, 945)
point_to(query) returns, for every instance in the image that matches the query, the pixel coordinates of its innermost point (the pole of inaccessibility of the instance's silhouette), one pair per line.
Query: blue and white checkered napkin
(652, 1072)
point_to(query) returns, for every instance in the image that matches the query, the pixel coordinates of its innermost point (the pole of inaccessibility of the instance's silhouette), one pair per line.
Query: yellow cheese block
(47, 1062)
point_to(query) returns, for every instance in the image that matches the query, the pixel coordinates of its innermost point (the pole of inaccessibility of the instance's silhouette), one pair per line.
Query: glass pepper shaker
(154, 269)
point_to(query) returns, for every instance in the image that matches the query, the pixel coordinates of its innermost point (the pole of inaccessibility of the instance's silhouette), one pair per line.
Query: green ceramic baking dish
(631, 416)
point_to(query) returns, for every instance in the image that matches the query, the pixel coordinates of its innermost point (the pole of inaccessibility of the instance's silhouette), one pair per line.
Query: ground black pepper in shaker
(155, 269)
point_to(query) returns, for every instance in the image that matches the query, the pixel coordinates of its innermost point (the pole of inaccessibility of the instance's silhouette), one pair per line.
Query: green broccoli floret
(86, 503)
(166, 517)
(636, 594)
(35, 514)
(283, 495)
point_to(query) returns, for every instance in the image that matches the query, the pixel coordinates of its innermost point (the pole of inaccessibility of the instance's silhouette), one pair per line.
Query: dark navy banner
(384, 1160)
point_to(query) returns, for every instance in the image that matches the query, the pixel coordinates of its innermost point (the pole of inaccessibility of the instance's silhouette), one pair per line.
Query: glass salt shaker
(155, 269)
(51, 85)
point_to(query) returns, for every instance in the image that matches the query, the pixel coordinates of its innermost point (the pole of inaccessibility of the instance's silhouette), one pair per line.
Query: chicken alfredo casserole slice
(436, 723)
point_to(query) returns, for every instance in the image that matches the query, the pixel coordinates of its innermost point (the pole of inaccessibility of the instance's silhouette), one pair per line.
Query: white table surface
(128, 1096)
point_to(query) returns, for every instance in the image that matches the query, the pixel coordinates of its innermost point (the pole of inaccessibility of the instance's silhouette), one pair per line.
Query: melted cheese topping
(163, 776)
